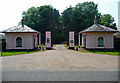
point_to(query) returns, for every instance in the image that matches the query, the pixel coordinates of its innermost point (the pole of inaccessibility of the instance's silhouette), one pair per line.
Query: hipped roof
(19, 29)
(98, 28)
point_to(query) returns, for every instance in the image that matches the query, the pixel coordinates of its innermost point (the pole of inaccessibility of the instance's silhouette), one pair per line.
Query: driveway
(60, 58)
(60, 65)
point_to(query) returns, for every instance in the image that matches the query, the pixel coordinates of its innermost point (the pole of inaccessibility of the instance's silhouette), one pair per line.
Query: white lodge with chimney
(22, 37)
(97, 37)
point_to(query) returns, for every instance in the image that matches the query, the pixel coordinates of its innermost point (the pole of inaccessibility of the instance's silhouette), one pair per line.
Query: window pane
(18, 42)
(100, 42)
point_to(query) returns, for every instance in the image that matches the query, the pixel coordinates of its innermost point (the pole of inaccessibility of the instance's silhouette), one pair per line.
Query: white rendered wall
(92, 40)
(27, 40)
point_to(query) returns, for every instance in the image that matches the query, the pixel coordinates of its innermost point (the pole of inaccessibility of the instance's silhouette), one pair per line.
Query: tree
(79, 17)
(67, 20)
(75, 19)
(42, 18)
(108, 20)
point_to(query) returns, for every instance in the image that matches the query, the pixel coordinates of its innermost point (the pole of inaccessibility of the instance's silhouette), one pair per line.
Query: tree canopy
(42, 18)
(76, 19)
(108, 20)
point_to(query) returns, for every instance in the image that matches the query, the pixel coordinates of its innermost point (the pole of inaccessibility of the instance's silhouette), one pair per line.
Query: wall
(36, 39)
(91, 39)
(83, 40)
(27, 40)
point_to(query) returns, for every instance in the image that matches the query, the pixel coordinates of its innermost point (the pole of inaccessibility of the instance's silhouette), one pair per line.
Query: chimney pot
(23, 21)
(95, 20)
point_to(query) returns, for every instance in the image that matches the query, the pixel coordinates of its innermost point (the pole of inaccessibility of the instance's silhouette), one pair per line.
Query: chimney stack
(95, 20)
(23, 21)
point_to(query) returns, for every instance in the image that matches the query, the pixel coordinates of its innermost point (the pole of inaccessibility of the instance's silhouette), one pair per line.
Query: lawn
(10, 53)
(108, 52)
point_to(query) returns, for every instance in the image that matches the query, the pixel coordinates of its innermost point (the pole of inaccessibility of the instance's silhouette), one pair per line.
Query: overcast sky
(11, 10)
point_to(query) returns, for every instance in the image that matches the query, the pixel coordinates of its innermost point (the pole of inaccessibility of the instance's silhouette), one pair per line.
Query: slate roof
(19, 29)
(98, 28)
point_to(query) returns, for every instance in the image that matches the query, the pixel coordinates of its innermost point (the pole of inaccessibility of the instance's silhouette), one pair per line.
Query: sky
(11, 10)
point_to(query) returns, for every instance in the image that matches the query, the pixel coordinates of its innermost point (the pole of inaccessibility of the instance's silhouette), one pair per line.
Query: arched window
(18, 42)
(100, 41)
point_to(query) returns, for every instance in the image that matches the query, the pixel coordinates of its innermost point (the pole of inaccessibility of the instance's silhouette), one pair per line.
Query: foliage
(79, 17)
(42, 19)
(108, 20)
(75, 19)
(65, 45)
(54, 45)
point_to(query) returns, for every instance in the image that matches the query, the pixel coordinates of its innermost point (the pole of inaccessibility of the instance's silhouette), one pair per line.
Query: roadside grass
(74, 46)
(45, 46)
(42, 46)
(54, 45)
(10, 53)
(65, 45)
(108, 52)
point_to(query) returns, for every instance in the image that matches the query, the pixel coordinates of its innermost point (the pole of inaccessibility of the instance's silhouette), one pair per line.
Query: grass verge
(11, 53)
(108, 52)
(54, 45)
